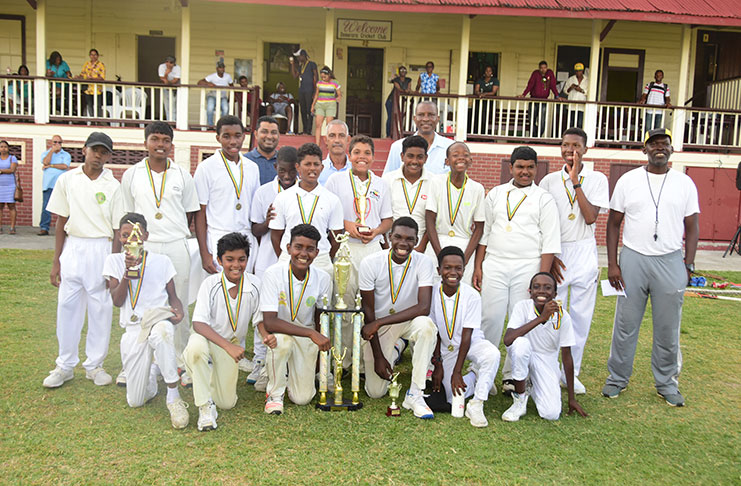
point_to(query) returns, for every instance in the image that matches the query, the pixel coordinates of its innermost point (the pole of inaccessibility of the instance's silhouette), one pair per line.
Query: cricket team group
(438, 263)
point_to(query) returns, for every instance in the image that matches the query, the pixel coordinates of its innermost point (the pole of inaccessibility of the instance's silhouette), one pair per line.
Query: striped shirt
(327, 91)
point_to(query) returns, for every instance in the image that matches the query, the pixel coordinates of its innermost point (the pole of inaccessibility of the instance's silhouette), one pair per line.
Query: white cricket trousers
(422, 333)
(544, 375)
(485, 358)
(213, 371)
(292, 364)
(83, 288)
(581, 276)
(179, 255)
(141, 382)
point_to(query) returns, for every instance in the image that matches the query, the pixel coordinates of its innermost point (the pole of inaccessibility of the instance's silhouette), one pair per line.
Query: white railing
(724, 95)
(526, 118)
(617, 123)
(712, 128)
(216, 102)
(17, 96)
(447, 108)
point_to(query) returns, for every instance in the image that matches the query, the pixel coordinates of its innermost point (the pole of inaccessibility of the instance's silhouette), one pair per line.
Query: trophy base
(346, 406)
(132, 274)
(393, 412)
(364, 230)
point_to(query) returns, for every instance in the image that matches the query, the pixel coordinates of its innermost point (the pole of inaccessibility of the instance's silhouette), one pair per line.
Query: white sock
(172, 394)
(414, 390)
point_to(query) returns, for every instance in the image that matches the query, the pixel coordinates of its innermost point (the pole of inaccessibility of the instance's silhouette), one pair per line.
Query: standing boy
(580, 195)
(537, 328)
(227, 302)
(288, 298)
(148, 323)
(456, 310)
(84, 200)
(396, 286)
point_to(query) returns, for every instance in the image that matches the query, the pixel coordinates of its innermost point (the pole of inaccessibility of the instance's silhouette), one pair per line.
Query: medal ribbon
(157, 200)
(294, 310)
(395, 292)
(450, 325)
(572, 198)
(453, 214)
(134, 294)
(237, 188)
(355, 191)
(233, 315)
(303, 212)
(511, 213)
(557, 324)
(410, 206)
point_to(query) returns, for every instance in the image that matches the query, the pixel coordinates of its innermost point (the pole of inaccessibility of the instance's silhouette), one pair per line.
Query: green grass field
(81, 434)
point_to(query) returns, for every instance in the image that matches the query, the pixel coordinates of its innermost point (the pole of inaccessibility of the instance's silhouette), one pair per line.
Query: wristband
(577, 186)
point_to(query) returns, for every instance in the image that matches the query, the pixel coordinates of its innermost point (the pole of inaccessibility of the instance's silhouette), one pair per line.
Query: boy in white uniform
(227, 302)
(456, 310)
(537, 328)
(396, 286)
(164, 193)
(455, 209)
(581, 195)
(85, 200)
(288, 299)
(226, 183)
(351, 187)
(144, 303)
(410, 185)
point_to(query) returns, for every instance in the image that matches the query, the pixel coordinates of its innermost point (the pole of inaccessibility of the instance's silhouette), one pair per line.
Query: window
(477, 62)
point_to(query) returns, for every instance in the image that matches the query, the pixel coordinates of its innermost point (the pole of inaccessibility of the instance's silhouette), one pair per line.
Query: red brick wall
(25, 171)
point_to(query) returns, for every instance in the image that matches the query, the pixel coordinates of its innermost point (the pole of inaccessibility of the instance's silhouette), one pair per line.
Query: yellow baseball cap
(578, 67)
(656, 132)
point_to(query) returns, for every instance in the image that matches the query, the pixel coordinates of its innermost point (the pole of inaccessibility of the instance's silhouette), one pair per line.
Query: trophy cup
(134, 248)
(362, 202)
(394, 389)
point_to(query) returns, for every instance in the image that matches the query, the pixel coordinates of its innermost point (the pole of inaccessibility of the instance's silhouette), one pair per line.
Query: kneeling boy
(456, 310)
(289, 294)
(149, 328)
(536, 330)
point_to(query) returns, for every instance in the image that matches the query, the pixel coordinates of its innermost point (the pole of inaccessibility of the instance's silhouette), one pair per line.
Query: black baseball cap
(99, 139)
(657, 132)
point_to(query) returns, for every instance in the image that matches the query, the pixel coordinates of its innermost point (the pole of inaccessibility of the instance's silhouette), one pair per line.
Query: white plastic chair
(134, 101)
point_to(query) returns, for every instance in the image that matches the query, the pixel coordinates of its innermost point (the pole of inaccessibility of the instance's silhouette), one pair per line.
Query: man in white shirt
(655, 93)
(576, 90)
(521, 236)
(426, 118)
(396, 287)
(658, 205)
(165, 194)
(337, 140)
(219, 78)
(581, 195)
(169, 74)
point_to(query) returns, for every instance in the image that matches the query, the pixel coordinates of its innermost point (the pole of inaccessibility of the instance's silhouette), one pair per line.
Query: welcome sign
(367, 30)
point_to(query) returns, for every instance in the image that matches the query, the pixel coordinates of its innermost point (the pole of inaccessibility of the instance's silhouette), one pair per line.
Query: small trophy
(363, 229)
(394, 389)
(134, 248)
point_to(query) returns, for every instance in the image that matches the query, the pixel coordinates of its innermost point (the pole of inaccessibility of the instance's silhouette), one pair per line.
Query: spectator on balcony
(93, 70)
(655, 93)
(55, 162)
(219, 78)
(281, 103)
(542, 82)
(308, 75)
(326, 99)
(428, 82)
(486, 87)
(8, 166)
(576, 90)
(265, 154)
(402, 86)
(20, 101)
(169, 74)
(244, 83)
(56, 67)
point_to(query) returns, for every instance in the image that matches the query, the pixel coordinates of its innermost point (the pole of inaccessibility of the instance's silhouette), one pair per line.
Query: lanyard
(395, 291)
(450, 324)
(231, 313)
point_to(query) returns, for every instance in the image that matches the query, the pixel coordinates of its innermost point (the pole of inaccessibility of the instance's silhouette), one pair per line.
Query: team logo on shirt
(100, 197)
(375, 194)
(310, 301)
(282, 298)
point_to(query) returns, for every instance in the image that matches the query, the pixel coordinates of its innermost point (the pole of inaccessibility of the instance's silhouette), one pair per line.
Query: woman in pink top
(326, 99)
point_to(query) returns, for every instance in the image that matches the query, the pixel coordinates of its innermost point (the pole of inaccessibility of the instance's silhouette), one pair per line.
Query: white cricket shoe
(475, 413)
(245, 365)
(518, 408)
(207, 415)
(416, 403)
(185, 380)
(57, 377)
(99, 376)
(579, 388)
(261, 384)
(179, 413)
(274, 406)
(121, 379)
(257, 368)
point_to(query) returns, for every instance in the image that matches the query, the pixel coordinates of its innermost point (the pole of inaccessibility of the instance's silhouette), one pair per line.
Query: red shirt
(540, 86)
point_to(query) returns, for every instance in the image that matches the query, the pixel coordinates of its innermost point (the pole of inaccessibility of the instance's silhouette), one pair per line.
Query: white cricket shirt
(468, 315)
(400, 202)
(211, 306)
(435, 155)
(470, 210)
(378, 202)
(276, 297)
(544, 338)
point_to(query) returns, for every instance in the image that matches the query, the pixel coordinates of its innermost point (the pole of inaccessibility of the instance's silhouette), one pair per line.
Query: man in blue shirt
(266, 153)
(337, 140)
(55, 161)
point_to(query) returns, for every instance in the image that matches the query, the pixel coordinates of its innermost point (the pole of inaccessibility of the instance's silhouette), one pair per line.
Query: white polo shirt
(374, 276)
(216, 191)
(261, 201)
(211, 306)
(157, 271)
(468, 315)
(544, 339)
(275, 296)
(595, 187)
(178, 198)
(534, 228)
(92, 206)
(400, 202)
(471, 209)
(288, 213)
(677, 201)
(378, 199)
(435, 155)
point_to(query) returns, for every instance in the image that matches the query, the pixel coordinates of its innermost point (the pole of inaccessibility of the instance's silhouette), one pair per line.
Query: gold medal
(239, 206)
(511, 212)
(392, 311)
(508, 228)
(451, 233)
(134, 318)
(158, 216)
(450, 347)
(572, 216)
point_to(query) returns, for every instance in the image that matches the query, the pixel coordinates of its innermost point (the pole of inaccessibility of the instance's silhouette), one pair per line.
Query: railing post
(678, 128)
(590, 123)
(461, 116)
(181, 121)
(40, 101)
(255, 113)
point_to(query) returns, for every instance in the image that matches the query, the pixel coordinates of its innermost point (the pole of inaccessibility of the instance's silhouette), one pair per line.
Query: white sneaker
(99, 376)
(274, 406)
(257, 367)
(579, 388)
(518, 408)
(57, 377)
(475, 413)
(179, 413)
(261, 384)
(121, 379)
(185, 380)
(417, 404)
(245, 365)
(207, 415)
